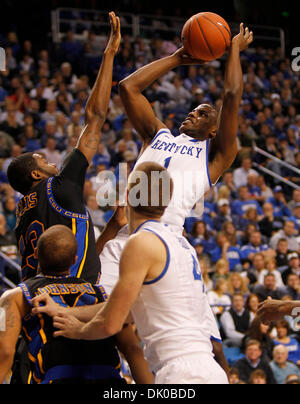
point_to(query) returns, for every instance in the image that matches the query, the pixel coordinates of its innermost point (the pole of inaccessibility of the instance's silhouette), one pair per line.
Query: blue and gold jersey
(59, 201)
(60, 360)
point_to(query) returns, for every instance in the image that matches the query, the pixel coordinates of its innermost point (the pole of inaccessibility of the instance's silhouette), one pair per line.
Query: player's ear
(36, 175)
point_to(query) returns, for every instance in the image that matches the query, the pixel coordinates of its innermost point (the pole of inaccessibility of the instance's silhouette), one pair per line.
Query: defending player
(60, 361)
(52, 198)
(161, 284)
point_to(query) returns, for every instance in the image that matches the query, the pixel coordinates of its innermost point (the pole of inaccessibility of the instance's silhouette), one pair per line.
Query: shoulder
(14, 298)
(145, 244)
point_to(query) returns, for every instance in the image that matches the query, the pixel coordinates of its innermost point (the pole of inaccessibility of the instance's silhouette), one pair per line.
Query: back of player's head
(19, 172)
(150, 190)
(57, 250)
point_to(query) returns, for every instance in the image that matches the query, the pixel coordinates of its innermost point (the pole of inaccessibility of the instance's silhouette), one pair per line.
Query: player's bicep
(140, 113)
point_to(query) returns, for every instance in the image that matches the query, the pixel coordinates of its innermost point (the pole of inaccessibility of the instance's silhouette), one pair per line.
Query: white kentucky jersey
(172, 313)
(186, 160)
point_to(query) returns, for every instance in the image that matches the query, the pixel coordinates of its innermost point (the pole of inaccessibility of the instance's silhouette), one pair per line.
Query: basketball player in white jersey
(161, 285)
(197, 158)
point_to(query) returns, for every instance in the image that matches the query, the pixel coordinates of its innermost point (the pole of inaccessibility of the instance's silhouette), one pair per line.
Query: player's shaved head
(57, 250)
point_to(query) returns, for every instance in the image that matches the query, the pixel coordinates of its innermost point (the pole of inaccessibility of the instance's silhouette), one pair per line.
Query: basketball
(206, 36)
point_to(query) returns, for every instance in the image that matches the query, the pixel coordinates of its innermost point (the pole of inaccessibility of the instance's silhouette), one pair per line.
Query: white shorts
(196, 369)
(110, 260)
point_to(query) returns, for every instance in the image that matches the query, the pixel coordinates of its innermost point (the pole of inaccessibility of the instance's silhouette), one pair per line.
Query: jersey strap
(167, 263)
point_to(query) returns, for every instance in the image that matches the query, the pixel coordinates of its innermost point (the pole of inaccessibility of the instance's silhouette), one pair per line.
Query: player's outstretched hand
(44, 304)
(115, 34)
(273, 310)
(67, 326)
(243, 39)
(185, 59)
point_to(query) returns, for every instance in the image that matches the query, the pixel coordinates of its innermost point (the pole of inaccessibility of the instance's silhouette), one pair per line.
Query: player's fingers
(57, 334)
(59, 320)
(113, 23)
(242, 28)
(39, 299)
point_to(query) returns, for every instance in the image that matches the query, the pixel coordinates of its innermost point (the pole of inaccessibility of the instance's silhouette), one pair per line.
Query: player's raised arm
(224, 146)
(97, 105)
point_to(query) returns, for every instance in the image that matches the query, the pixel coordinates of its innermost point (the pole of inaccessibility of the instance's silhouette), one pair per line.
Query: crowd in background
(247, 238)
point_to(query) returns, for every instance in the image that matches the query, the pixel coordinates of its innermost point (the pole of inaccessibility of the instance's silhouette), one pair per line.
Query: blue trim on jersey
(216, 340)
(147, 221)
(161, 132)
(59, 209)
(82, 223)
(26, 293)
(167, 263)
(207, 162)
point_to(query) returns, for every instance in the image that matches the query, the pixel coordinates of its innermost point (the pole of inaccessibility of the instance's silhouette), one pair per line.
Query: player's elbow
(112, 328)
(94, 116)
(126, 86)
(233, 92)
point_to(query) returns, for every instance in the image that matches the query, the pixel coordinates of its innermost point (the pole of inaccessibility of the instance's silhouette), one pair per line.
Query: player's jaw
(44, 167)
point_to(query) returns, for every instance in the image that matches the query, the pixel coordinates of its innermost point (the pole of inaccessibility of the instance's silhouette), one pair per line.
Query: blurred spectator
(288, 233)
(253, 361)
(255, 246)
(270, 268)
(294, 266)
(234, 376)
(292, 287)
(237, 284)
(241, 174)
(218, 299)
(283, 338)
(50, 152)
(260, 332)
(270, 223)
(268, 289)
(279, 203)
(226, 251)
(258, 377)
(222, 270)
(252, 304)
(281, 367)
(244, 202)
(235, 322)
(282, 252)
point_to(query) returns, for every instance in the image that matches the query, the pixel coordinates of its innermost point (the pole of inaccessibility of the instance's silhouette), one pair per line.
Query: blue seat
(232, 355)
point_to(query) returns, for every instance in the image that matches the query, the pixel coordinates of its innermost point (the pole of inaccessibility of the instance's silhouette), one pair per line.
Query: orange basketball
(206, 36)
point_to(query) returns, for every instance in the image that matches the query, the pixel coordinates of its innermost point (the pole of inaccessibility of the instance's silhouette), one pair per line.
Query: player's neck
(136, 221)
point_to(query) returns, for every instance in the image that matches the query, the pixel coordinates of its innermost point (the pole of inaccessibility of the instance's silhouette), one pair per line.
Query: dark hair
(19, 172)
(193, 232)
(57, 250)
